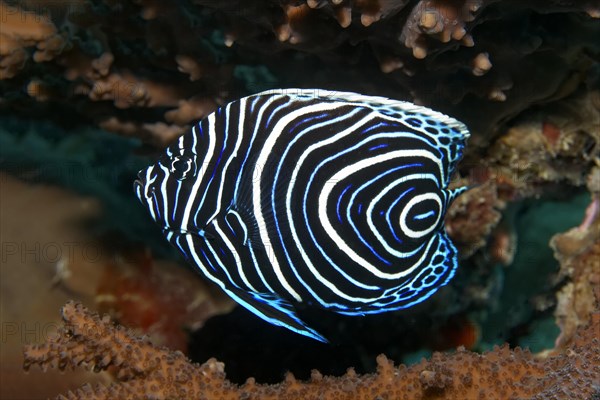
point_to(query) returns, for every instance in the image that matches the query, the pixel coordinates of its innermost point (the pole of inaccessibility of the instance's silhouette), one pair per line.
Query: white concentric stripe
(221, 284)
(241, 222)
(257, 125)
(394, 135)
(298, 136)
(343, 174)
(419, 234)
(165, 196)
(233, 154)
(379, 196)
(220, 262)
(330, 285)
(194, 139)
(150, 199)
(257, 192)
(200, 177)
(236, 256)
(257, 267)
(194, 254)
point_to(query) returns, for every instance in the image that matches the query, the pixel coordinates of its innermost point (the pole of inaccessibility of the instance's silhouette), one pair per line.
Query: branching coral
(469, 58)
(95, 67)
(20, 31)
(142, 370)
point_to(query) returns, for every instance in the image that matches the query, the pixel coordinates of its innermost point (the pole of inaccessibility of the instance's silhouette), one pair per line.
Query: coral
(20, 32)
(472, 217)
(557, 144)
(134, 69)
(579, 253)
(451, 55)
(443, 22)
(94, 77)
(160, 299)
(142, 370)
(522, 75)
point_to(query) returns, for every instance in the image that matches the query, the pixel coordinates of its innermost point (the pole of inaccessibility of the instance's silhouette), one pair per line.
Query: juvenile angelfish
(333, 199)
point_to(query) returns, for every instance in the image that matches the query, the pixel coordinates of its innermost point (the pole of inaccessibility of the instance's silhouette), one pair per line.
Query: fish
(324, 198)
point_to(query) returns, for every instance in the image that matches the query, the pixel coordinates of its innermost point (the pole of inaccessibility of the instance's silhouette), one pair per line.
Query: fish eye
(181, 167)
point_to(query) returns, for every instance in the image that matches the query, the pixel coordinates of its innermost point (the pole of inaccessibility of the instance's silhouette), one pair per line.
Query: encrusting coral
(578, 251)
(472, 217)
(559, 143)
(142, 370)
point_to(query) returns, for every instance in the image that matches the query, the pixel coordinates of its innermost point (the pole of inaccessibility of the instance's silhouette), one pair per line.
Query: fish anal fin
(275, 310)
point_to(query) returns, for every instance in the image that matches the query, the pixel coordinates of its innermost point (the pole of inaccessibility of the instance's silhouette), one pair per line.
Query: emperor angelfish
(332, 199)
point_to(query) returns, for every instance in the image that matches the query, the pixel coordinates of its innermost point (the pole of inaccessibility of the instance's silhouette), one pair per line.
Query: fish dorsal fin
(402, 110)
(274, 310)
(448, 134)
(442, 267)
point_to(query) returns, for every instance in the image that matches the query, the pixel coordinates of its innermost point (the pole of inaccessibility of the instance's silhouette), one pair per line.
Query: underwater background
(92, 91)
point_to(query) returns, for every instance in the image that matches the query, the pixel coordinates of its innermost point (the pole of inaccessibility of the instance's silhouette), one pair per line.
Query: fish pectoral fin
(203, 235)
(274, 310)
(270, 202)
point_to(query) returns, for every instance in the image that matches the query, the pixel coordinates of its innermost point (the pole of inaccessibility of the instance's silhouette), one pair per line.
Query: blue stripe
(337, 209)
(378, 146)
(387, 214)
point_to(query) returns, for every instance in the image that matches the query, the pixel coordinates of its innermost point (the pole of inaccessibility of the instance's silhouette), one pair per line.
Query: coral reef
(571, 370)
(524, 76)
(160, 299)
(579, 253)
(142, 370)
(132, 67)
(20, 33)
(472, 217)
(557, 143)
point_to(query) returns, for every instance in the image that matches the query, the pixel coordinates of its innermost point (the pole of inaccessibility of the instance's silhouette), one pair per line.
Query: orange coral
(143, 370)
(20, 30)
(159, 299)
(444, 21)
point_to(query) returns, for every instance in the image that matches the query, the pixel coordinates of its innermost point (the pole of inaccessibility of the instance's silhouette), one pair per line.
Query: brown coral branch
(143, 370)
(21, 30)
